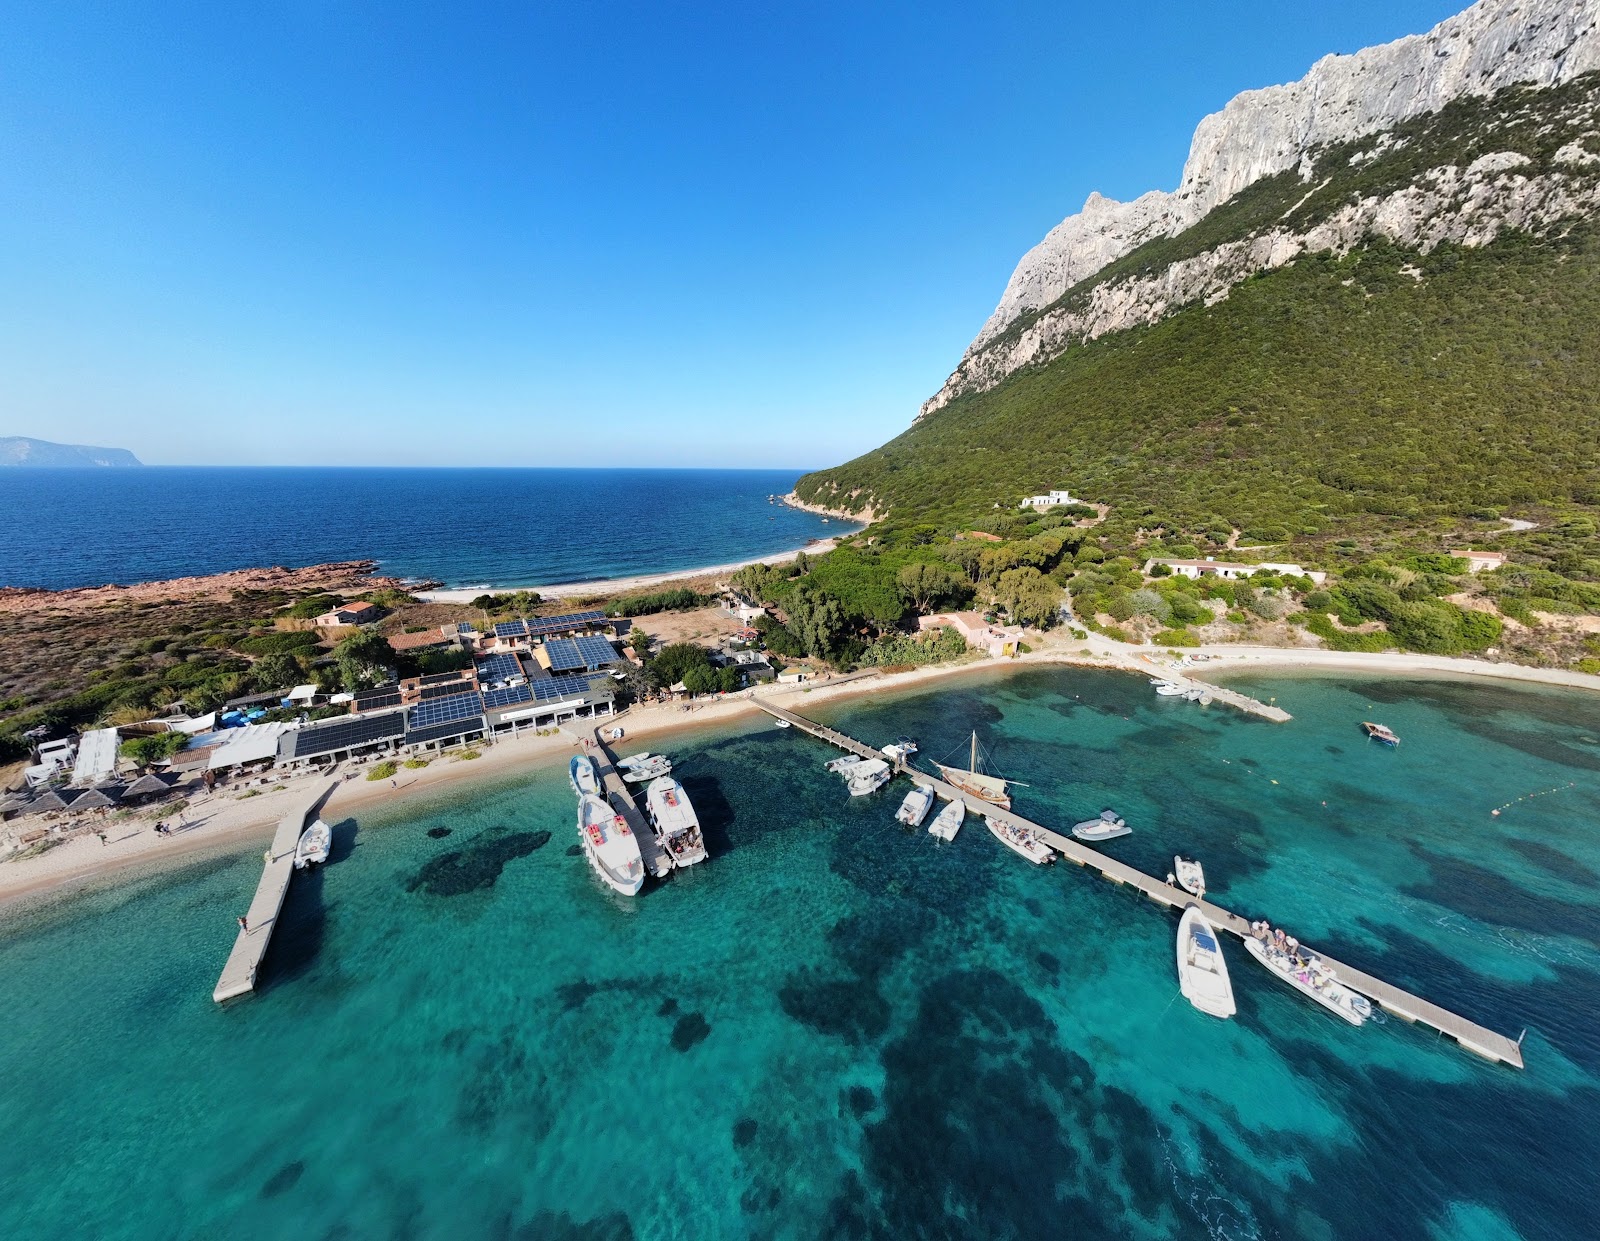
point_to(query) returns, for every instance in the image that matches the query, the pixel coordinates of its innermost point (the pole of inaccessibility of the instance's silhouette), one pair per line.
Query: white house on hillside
(1050, 500)
(1230, 571)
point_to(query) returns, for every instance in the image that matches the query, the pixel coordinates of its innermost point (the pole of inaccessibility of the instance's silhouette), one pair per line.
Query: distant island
(19, 450)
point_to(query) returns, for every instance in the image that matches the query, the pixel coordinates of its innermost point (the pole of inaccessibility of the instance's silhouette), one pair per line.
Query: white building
(997, 640)
(1211, 566)
(1477, 562)
(1049, 500)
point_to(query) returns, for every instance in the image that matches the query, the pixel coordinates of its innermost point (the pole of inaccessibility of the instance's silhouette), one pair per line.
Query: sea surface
(842, 1028)
(464, 527)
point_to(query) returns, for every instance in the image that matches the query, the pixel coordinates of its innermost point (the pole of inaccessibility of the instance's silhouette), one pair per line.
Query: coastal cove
(452, 1001)
(465, 528)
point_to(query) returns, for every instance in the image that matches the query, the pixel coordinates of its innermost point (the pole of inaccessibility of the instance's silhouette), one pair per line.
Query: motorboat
(610, 846)
(1305, 973)
(1202, 969)
(867, 776)
(948, 821)
(581, 773)
(1191, 878)
(1108, 826)
(1196, 694)
(313, 845)
(980, 784)
(672, 815)
(1170, 689)
(782, 724)
(1380, 732)
(638, 768)
(899, 750)
(841, 765)
(915, 807)
(1020, 841)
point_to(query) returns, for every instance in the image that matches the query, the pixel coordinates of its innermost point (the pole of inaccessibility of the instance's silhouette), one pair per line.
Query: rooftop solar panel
(440, 678)
(563, 654)
(559, 687)
(429, 692)
(341, 734)
(500, 668)
(596, 651)
(495, 699)
(564, 624)
(510, 629)
(444, 711)
(372, 699)
(438, 732)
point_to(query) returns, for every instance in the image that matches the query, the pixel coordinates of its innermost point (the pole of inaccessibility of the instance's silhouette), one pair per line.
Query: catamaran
(674, 819)
(1305, 973)
(581, 775)
(610, 845)
(915, 807)
(313, 845)
(1191, 878)
(637, 768)
(948, 821)
(980, 784)
(1202, 971)
(1020, 841)
(1108, 826)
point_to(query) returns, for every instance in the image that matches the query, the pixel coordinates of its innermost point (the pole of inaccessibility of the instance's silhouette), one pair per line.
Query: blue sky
(562, 234)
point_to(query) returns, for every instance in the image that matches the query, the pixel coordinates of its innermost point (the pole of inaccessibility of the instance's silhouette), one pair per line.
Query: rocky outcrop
(355, 576)
(1492, 45)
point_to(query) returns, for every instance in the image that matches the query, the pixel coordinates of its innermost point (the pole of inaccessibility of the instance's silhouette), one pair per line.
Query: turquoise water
(841, 1029)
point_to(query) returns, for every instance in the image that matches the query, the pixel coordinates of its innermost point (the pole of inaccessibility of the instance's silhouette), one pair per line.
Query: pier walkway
(657, 861)
(250, 946)
(1402, 1004)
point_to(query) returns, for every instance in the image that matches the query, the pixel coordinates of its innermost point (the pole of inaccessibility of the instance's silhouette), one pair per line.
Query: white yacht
(581, 773)
(1305, 972)
(915, 807)
(1108, 826)
(867, 776)
(1019, 841)
(637, 768)
(672, 815)
(1202, 971)
(610, 846)
(1191, 877)
(948, 821)
(313, 846)
(1170, 689)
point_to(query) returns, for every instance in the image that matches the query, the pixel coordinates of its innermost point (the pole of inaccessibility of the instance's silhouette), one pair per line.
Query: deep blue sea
(840, 1028)
(512, 527)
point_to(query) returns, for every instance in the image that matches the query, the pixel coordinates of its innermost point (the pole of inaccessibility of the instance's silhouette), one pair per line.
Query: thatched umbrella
(154, 784)
(102, 798)
(51, 799)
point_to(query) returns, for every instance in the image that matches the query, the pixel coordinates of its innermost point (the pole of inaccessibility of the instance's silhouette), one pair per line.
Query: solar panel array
(342, 734)
(429, 692)
(495, 699)
(440, 732)
(510, 629)
(440, 678)
(500, 668)
(563, 655)
(541, 626)
(559, 687)
(596, 651)
(444, 711)
(372, 699)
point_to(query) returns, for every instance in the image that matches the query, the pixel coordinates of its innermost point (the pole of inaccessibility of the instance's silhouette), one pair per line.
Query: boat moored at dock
(915, 807)
(610, 846)
(1191, 877)
(1202, 970)
(582, 776)
(676, 824)
(1020, 841)
(948, 821)
(979, 784)
(1108, 826)
(314, 845)
(1306, 973)
(638, 768)
(867, 776)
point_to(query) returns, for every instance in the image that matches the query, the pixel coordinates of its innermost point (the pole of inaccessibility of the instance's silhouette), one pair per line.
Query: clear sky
(730, 234)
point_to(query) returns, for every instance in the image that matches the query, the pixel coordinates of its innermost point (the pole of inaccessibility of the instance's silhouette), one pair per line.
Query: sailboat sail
(969, 779)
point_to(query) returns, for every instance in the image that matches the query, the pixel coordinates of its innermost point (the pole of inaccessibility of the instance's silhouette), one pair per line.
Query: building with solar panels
(571, 656)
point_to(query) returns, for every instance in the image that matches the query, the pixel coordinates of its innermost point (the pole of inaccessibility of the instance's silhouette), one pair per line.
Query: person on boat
(1172, 880)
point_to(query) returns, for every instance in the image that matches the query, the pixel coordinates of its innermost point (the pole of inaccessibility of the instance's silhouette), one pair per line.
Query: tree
(924, 585)
(701, 679)
(1030, 597)
(817, 621)
(365, 659)
(674, 663)
(148, 751)
(281, 671)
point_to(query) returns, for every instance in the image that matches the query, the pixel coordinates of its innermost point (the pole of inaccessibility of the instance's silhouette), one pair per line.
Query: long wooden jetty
(656, 859)
(1485, 1042)
(250, 946)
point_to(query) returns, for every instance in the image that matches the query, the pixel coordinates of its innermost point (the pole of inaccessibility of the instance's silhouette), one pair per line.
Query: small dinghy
(1191, 878)
(1108, 826)
(948, 821)
(915, 807)
(312, 849)
(1305, 972)
(841, 766)
(641, 768)
(1202, 971)
(781, 724)
(1380, 732)
(581, 775)
(1020, 841)
(1170, 689)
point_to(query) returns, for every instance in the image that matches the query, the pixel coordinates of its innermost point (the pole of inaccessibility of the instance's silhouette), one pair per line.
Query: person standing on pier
(244, 924)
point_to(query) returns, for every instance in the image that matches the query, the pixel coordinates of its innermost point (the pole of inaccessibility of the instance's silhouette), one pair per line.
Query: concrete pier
(250, 946)
(1480, 1039)
(657, 861)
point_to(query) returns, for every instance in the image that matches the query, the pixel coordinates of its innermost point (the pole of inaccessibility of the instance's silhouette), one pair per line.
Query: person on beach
(102, 836)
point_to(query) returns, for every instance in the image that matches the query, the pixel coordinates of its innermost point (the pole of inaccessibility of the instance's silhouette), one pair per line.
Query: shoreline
(227, 823)
(622, 585)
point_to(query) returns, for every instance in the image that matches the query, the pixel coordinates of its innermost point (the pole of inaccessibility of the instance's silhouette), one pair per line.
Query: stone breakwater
(348, 575)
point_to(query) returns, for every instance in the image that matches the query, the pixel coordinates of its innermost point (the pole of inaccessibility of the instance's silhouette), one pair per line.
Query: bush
(659, 601)
(1319, 601)
(1337, 640)
(276, 643)
(935, 647)
(383, 770)
(1175, 637)
(148, 751)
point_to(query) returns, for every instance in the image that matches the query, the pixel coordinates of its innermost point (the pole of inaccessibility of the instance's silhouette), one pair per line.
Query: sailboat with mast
(980, 784)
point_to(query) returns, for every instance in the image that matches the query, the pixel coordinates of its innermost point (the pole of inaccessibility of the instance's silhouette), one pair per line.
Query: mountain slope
(19, 450)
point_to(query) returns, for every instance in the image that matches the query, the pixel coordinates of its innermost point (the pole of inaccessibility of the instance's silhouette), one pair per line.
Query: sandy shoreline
(227, 823)
(618, 585)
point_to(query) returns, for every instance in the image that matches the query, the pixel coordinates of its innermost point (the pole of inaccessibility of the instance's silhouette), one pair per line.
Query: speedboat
(1202, 971)
(610, 846)
(1195, 694)
(899, 751)
(673, 817)
(781, 724)
(581, 774)
(1380, 732)
(948, 821)
(867, 776)
(1191, 878)
(638, 768)
(312, 848)
(839, 766)
(915, 807)
(1108, 826)
(1020, 841)
(1170, 689)
(1305, 973)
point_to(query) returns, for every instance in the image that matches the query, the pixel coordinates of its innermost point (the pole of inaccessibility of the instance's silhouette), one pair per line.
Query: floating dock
(657, 861)
(1485, 1042)
(239, 974)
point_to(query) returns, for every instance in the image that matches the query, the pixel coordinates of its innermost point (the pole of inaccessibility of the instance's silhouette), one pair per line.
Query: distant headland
(19, 450)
